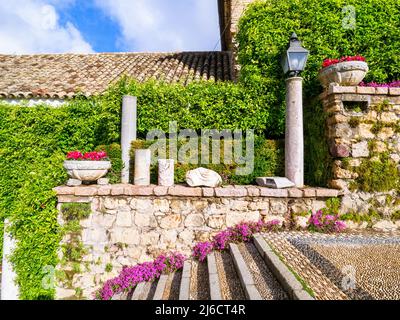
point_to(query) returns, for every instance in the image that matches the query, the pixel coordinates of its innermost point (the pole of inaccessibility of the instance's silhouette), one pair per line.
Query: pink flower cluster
(147, 271)
(242, 232)
(325, 223)
(329, 62)
(92, 156)
(393, 84)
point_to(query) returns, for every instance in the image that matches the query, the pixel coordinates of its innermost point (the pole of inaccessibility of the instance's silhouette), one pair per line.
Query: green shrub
(114, 154)
(377, 175)
(317, 159)
(266, 26)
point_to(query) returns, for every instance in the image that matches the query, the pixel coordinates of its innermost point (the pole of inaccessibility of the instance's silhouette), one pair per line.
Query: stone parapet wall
(131, 224)
(363, 130)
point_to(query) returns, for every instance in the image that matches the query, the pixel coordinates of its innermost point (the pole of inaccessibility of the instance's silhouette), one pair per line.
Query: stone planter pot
(87, 171)
(347, 73)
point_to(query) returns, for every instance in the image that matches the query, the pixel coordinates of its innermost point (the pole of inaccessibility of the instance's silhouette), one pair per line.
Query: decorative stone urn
(88, 171)
(346, 73)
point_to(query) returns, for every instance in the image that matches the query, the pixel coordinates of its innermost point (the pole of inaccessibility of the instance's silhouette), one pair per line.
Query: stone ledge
(184, 191)
(359, 90)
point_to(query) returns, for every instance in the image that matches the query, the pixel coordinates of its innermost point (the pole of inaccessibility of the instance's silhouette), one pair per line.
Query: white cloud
(164, 25)
(32, 26)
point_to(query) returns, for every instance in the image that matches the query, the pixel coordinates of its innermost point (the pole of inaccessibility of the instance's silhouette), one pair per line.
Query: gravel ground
(228, 278)
(199, 284)
(266, 283)
(343, 266)
(171, 291)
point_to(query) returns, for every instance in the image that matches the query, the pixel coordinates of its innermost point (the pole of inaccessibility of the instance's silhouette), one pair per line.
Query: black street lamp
(295, 58)
(293, 63)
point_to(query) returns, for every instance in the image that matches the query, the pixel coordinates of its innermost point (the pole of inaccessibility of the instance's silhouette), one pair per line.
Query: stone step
(199, 281)
(245, 276)
(142, 291)
(286, 278)
(184, 290)
(215, 288)
(162, 282)
(265, 281)
(230, 285)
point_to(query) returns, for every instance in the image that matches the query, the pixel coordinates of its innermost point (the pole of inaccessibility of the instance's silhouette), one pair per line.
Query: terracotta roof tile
(63, 75)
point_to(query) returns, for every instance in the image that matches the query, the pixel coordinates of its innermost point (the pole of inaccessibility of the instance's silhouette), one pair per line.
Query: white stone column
(166, 172)
(294, 142)
(9, 289)
(128, 132)
(142, 167)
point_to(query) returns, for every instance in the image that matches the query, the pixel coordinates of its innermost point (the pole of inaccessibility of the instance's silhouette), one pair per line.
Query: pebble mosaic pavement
(328, 262)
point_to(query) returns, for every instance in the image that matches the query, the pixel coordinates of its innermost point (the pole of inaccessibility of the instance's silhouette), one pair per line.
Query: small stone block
(295, 193)
(117, 190)
(104, 191)
(365, 90)
(61, 190)
(231, 192)
(208, 192)
(182, 191)
(394, 91)
(74, 182)
(136, 190)
(85, 191)
(341, 89)
(381, 90)
(253, 191)
(274, 182)
(274, 193)
(103, 181)
(309, 193)
(160, 190)
(327, 193)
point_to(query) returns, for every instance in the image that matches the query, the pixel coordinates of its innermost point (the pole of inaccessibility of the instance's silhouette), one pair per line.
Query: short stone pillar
(9, 289)
(166, 172)
(128, 133)
(294, 141)
(142, 167)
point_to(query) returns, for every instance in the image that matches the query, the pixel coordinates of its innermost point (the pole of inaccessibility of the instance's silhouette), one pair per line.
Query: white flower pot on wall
(346, 73)
(88, 171)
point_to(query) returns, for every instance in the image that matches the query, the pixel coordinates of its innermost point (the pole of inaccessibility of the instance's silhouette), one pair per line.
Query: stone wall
(363, 134)
(130, 224)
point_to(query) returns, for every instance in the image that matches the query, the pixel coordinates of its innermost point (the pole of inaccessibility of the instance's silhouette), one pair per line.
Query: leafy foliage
(268, 160)
(266, 26)
(34, 144)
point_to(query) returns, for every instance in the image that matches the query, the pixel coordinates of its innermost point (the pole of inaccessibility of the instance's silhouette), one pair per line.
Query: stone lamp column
(294, 142)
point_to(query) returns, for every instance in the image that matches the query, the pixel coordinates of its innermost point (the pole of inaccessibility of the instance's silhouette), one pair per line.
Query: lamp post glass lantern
(295, 58)
(293, 63)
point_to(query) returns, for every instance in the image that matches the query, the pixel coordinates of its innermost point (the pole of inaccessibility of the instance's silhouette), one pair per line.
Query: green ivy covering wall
(33, 146)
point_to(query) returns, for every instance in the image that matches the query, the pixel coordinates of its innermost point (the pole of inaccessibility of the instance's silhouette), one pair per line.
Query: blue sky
(85, 26)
